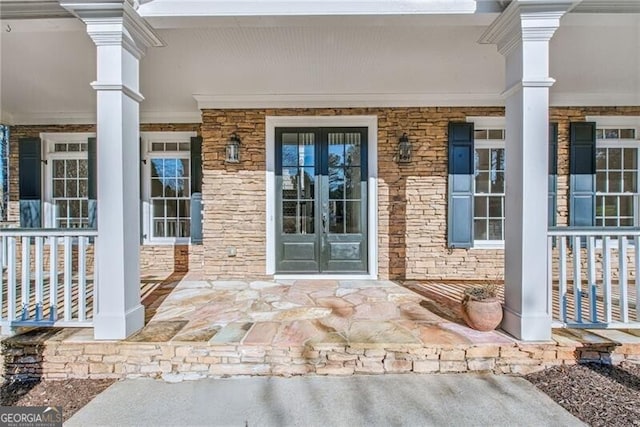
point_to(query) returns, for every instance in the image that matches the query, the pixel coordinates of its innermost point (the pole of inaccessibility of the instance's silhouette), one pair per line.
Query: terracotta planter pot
(482, 315)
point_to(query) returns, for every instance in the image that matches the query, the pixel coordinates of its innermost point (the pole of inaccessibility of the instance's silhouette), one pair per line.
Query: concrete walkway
(389, 400)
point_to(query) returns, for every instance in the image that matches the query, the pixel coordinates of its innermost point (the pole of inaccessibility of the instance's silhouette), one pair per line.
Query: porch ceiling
(47, 65)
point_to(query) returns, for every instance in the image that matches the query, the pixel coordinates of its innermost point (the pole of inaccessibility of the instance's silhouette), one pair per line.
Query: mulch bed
(600, 395)
(70, 394)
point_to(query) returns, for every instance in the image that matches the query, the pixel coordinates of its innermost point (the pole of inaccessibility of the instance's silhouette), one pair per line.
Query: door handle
(324, 222)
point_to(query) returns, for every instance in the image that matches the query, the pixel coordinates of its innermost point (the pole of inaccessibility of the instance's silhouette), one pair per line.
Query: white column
(121, 38)
(522, 34)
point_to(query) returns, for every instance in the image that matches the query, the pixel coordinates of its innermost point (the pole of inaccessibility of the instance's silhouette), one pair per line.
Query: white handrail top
(593, 231)
(49, 232)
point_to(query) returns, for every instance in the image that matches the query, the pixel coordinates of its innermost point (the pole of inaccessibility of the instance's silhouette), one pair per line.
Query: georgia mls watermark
(30, 416)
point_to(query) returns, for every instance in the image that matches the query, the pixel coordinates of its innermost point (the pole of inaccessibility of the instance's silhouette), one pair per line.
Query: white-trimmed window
(489, 188)
(167, 186)
(66, 179)
(616, 174)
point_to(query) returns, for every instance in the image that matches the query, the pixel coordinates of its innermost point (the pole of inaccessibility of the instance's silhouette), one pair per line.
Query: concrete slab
(425, 400)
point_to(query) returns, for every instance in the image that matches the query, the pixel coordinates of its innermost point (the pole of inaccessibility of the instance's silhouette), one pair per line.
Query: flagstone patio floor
(296, 312)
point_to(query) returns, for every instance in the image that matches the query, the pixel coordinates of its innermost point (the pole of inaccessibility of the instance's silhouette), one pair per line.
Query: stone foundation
(38, 357)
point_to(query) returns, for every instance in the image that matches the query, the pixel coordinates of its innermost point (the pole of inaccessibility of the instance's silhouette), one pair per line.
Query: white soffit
(303, 7)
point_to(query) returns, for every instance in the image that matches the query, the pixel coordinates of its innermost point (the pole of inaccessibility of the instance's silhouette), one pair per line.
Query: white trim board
(371, 123)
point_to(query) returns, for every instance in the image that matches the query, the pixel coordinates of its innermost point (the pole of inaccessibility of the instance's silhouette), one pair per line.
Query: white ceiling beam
(307, 7)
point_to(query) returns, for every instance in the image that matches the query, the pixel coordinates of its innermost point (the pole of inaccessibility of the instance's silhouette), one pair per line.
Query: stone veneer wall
(412, 199)
(40, 355)
(165, 258)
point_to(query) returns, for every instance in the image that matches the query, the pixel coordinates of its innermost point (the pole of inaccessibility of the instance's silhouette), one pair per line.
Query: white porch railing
(47, 277)
(592, 274)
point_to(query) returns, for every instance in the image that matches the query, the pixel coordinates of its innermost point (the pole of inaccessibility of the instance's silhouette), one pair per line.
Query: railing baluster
(562, 285)
(82, 278)
(3, 247)
(550, 274)
(591, 279)
(606, 275)
(636, 268)
(3, 240)
(53, 279)
(622, 278)
(26, 277)
(68, 259)
(577, 278)
(12, 282)
(39, 284)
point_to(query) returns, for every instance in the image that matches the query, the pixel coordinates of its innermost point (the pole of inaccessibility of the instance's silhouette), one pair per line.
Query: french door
(321, 200)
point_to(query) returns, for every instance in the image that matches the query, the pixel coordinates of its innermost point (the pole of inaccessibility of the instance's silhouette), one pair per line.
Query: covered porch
(60, 286)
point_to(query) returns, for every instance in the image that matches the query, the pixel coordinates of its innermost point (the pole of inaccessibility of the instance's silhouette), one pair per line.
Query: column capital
(115, 22)
(526, 20)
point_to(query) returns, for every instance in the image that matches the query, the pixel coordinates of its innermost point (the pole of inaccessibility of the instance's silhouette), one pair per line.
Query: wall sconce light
(404, 149)
(233, 149)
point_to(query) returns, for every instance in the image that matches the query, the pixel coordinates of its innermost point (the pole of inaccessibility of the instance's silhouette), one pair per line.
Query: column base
(117, 326)
(530, 327)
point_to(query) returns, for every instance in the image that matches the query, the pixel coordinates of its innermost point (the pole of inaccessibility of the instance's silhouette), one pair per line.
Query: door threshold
(298, 276)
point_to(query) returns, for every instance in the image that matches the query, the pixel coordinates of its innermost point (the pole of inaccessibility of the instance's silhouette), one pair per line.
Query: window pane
(626, 222)
(58, 168)
(58, 188)
(83, 188)
(627, 133)
(336, 150)
(182, 187)
(352, 149)
(336, 217)
(480, 134)
(307, 217)
(615, 182)
(185, 167)
(497, 182)
(83, 169)
(73, 147)
(172, 208)
(184, 146)
(601, 182)
(610, 206)
(158, 228)
(171, 146)
(71, 188)
(290, 149)
(157, 167)
(336, 183)
(626, 206)
(158, 208)
(72, 169)
(307, 184)
(482, 160)
(157, 146)
(630, 158)
(599, 134)
(495, 207)
(615, 158)
(611, 133)
(289, 216)
(630, 182)
(601, 159)
(353, 183)
(290, 183)
(184, 208)
(496, 134)
(353, 218)
(480, 206)
(482, 182)
(480, 229)
(495, 229)
(185, 228)
(156, 188)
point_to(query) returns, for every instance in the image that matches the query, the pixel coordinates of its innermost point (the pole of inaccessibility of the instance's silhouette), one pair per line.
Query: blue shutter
(461, 168)
(196, 190)
(30, 182)
(553, 173)
(582, 169)
(92, 174)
